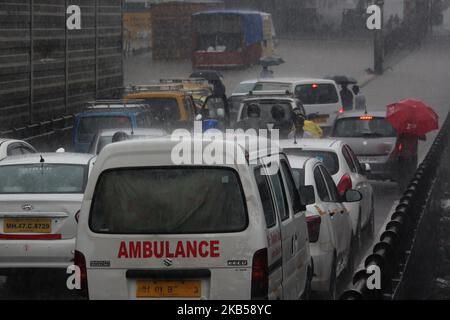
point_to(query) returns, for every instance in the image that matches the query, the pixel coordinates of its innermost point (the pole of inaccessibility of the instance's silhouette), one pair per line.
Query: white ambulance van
(152, 229)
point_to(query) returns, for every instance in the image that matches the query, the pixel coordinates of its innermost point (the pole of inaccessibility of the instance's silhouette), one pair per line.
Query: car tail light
(345, 184)
(367, 118)
(400, 147)
(313, 223)
(341, 110)
(77, 216)
(260, 275)
(80, 262)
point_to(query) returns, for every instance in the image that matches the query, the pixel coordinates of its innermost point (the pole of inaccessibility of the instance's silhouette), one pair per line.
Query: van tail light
(313, 224)
(80, 262)
(77, 216)
(341, 110)
(345, 184)
(260, 275)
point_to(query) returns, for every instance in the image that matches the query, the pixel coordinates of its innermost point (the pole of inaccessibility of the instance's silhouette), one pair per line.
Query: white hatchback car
(347, 173)
(40, 195)
(153, 229)
(320, 97)
(329, 224)
(12, 147)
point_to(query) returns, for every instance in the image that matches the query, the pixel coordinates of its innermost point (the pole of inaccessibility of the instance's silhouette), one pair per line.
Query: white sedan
(347, 173)
(329, 223)
(40, 196)
(12, 147)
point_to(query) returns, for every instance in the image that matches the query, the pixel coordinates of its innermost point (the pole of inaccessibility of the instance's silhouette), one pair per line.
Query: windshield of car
(42, 178)
(317, 93)
(244, 88)
(272, 86)
(369, 127)
(328, 158)
(164, 201)
(90, 125)
(266, 110)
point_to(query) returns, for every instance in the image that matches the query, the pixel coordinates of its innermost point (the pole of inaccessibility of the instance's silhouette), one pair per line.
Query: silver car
(373, 140)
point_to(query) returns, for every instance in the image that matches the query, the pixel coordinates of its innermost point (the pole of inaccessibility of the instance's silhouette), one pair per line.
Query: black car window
(266, 198)
(321, 185)
(348, 159)
(280, 195)
(292, 188)
(334, 194)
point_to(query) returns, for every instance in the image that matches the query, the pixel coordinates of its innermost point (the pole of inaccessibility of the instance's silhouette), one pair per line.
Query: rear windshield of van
(317, 93)
(170, 200)
(329, 159)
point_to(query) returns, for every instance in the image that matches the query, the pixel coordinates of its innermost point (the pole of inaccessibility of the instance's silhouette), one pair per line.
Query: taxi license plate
(168, 289)
(321, 120)
(27, 226)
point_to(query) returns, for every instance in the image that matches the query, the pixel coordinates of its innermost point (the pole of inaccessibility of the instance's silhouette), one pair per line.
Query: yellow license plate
(320, 120)
(27, 226)
(168, 289)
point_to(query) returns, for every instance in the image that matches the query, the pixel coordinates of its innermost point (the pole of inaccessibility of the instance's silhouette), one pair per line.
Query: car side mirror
(352, 196)
(199, 117)
(307, 195)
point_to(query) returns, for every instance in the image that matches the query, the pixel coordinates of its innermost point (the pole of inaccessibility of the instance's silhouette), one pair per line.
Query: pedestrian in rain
(360, 99)
(266, 73)
(347, 97)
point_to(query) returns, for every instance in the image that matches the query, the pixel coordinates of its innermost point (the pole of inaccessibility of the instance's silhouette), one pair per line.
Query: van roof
(166, 145)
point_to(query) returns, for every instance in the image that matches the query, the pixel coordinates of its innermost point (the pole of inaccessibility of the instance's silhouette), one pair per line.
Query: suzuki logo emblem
(27, 207)
(168, 262)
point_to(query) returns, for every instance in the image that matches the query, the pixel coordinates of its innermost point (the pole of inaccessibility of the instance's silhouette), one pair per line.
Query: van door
(274, 250)
(301, 241)
(289, 236)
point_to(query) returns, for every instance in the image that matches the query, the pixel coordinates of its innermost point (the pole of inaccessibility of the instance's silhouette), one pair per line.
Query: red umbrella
(412, 117)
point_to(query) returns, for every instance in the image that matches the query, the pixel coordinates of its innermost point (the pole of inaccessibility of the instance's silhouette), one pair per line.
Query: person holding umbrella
(412, 119)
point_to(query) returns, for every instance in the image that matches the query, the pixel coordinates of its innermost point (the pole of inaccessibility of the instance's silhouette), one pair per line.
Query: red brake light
(260, 275)
(313, 223)
(80, 262)
(400, 147)
(77, 216)
(366, 118)
(344, 184)
(315, 86)
(341, 110)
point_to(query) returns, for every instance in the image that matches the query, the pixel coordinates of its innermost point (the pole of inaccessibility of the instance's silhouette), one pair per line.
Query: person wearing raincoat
(304, 128)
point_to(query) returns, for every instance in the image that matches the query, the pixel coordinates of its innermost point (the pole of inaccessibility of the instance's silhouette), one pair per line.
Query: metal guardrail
(41, 134)
(408, 237)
